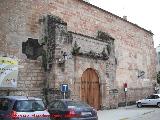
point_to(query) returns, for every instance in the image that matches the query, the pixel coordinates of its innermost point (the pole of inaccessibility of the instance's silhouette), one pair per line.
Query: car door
(148, 100)
(151, 100)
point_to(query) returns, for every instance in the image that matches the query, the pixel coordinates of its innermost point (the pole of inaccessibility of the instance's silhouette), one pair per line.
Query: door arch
(90, 88)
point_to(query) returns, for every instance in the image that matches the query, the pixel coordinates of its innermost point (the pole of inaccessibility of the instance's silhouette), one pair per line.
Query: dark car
(22, 108)
(65, 109)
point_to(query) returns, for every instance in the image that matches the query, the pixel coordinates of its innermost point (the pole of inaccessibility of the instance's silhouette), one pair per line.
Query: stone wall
(134, 49)
(70, 70)
(31, 80)
(132, 95)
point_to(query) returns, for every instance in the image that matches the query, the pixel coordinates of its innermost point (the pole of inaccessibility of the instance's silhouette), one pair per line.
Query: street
(130, 113)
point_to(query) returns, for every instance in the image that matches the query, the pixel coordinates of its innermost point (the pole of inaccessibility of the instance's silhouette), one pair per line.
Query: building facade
(158, 58)
(73, 42)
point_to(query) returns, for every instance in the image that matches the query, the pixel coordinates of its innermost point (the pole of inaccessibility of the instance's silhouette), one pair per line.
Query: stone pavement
(126, 113)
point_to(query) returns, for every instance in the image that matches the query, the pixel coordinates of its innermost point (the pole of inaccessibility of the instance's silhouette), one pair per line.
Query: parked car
(22, 108)
(65, 109)
(153, 100)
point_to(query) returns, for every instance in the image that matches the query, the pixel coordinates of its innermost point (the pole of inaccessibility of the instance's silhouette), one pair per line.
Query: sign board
(64, 87)
(8, 72)
(113, 91)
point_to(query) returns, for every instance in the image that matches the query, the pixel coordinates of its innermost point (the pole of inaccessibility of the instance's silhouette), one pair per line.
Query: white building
(158, 57)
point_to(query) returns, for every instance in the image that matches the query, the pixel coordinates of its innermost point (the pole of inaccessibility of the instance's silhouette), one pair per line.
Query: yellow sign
(8, 72)
(8, 61)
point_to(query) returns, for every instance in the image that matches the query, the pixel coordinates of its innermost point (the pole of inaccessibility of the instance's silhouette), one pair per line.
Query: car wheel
(158, 104)
(139, 105)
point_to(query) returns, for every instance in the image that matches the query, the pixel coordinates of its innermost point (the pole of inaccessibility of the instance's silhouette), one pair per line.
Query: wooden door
(90, 89)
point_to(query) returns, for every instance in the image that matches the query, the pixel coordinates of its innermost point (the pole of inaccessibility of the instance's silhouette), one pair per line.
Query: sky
(144, 13)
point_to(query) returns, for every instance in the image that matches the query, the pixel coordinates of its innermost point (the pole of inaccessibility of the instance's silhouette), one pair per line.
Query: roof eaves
(116, 16)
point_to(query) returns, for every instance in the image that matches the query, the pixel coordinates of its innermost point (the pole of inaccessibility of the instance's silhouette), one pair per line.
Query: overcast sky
(144, 13)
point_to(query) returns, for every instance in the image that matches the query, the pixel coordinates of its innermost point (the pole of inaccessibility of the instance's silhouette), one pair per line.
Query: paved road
(130, 113)
(152, 115)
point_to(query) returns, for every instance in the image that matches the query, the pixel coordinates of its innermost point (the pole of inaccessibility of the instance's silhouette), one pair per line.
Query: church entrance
(90, 88)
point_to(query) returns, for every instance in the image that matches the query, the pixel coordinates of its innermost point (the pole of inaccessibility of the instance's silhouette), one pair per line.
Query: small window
(151, 97)
(156, 96)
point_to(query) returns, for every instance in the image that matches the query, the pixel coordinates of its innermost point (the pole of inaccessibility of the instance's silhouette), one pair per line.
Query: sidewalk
(123, 113)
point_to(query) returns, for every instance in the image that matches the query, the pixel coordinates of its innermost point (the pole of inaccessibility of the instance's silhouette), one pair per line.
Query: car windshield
(29, 105)
(4, 104)
(76, 104)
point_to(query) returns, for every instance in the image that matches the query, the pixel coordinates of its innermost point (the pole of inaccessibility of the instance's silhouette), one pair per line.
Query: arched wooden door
(90, 89)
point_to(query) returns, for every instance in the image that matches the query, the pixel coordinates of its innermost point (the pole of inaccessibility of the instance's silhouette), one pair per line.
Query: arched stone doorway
(90, 88)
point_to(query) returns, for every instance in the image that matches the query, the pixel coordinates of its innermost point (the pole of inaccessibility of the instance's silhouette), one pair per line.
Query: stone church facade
(73, 42)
